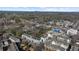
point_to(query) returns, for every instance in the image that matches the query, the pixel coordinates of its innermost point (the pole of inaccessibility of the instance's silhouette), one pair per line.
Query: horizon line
(41, 9)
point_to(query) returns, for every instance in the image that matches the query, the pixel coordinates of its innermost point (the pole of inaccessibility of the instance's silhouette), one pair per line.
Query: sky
(49, 9)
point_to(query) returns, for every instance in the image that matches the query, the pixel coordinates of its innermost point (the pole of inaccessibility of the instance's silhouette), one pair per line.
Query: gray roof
(59, 41)
(14, 38)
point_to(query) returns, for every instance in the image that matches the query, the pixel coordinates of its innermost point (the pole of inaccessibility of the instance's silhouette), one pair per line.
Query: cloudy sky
(54, 9)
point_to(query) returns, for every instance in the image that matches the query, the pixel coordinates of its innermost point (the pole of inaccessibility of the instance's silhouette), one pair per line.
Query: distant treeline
(41, 15)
